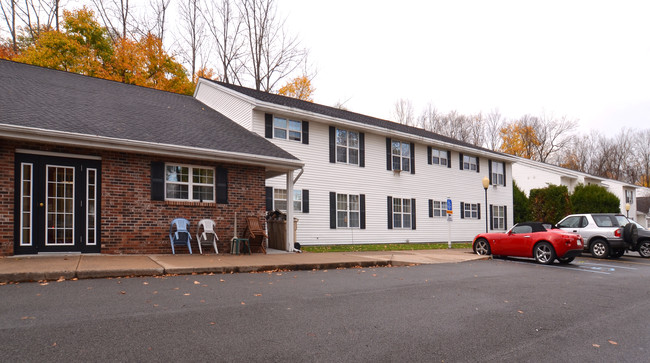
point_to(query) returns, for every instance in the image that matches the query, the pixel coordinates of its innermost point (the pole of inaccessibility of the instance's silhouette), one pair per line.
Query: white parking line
(604, 265)
(568, 268)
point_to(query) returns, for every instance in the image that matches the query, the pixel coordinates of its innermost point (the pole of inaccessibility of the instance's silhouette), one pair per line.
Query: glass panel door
(60, 206)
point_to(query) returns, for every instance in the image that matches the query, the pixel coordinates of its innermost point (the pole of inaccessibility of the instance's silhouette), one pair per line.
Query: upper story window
(191, 183)
(629, 196)
(401, 155)
(287, 129)
(347, 146)
(497, 176)
(439, 157)
(470, 162)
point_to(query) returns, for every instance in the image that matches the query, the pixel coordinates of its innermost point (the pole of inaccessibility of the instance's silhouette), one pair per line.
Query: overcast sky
(587, 60)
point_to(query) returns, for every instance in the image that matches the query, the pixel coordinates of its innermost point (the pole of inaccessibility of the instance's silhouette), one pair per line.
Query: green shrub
(594, 199)
(521, 205)
(550, 204)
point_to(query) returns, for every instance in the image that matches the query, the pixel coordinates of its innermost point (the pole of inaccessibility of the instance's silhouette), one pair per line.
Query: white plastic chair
(208, 235)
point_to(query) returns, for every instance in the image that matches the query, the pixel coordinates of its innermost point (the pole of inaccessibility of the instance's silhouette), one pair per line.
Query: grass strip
(384, 247)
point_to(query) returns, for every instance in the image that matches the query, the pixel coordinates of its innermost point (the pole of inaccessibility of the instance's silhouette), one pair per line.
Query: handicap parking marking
(612, 267)
(574, 267)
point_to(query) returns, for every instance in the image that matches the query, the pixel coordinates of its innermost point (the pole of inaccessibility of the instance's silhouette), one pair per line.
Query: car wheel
(544, 253)
(644, 249)
(482, 247)
(599, 249)
(565, 260)
(618, 253)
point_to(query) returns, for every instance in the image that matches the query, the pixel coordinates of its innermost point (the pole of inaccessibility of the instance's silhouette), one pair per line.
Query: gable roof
(36, 101)
(334, 112)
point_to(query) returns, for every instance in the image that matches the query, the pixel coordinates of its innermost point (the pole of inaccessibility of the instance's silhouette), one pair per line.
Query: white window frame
(345, 148)
(280, 200)
(26, 203)
(91, 198)
(438, 156)
(629, 196)
(291, 129)
(470, 163)
(498, 217)
(400, 161)
(439, 207)
(348, 206)
(498, 173)
(400, 213)
(190, 182)
(471, 210)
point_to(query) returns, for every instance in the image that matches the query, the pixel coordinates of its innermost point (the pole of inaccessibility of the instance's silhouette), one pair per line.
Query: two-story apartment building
(368, 180)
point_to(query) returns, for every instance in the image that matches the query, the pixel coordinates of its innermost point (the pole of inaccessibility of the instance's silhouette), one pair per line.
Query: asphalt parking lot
(630, 263)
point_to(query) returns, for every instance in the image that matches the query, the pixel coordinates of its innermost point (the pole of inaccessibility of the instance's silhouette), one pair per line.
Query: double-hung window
(498, 217)
(498, 175)
(469, 163)
(439, 208)
(439, 157)
(347, 211)
(347, 146)
(470, 211)
(402, 213)
(280, 199)
(190, 183)
(401, 153)
(287, 129)
(629, 196)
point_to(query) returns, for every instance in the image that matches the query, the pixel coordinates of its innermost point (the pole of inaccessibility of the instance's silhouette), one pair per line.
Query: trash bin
(277, 222)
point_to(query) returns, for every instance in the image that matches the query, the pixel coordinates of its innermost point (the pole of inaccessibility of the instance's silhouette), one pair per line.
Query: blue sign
(449, 209)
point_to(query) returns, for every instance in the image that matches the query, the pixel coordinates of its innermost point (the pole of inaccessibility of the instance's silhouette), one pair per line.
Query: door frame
(83, 167)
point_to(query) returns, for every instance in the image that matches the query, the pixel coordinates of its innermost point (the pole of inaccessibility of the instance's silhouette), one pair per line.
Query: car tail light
(617, 232)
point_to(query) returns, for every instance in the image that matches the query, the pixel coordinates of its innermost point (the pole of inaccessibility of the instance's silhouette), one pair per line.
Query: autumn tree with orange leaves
(300, 88)
(519, 139)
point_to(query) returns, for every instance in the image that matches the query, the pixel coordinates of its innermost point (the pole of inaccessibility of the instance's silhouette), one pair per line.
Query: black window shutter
(478, 208)
(332, 144)
(504, 174)
(491, 216)
(362, 211)
(332, 210)
(388, 155)
(490, 170)
(462, 210)
(268, 126)
(305, 200)
(505, 216)
(305, 132)
(460, 158)
(390, 212)
(478, 165)
(157, 180)
(362, 150)
(430, 208)
(269, 198)
(413, 213)
(412, 158)
(429, 155)
(448, 159)
(222, 186)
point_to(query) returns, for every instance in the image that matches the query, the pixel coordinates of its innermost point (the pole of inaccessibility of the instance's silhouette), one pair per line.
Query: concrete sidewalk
(56, 267)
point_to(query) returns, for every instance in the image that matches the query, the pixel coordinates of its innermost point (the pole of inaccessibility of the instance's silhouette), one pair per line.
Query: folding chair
(207, 236)
(255, 233)
(180, 236)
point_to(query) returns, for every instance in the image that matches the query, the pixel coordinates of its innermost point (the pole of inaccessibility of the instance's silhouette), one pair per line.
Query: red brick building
(94, 166)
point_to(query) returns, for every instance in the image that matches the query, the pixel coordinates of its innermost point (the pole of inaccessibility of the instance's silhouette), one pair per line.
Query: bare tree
(225, 27)
(8, 8)
(552, 135)
(157, 21)
(403, 112)
(429, 118)
(642, 152)
(193, 32)
(116, 16)
(36, 15)
(273, 54)
(493, 122)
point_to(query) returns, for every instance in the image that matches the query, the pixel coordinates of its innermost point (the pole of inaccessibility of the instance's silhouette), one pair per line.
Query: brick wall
(132, 223)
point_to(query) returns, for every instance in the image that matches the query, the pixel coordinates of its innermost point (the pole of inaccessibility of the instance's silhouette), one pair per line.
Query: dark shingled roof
(37, 97)
(346, 115)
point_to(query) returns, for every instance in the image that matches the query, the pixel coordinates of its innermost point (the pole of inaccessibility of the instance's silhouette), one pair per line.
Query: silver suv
(601, 232)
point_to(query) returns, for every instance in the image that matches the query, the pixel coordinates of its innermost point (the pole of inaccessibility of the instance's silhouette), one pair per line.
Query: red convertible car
(541, 241)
